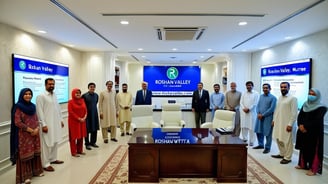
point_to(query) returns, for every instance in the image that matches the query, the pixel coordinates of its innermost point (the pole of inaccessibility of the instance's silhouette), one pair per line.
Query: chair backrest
(224, 119)
(171, 114)
(142, 116)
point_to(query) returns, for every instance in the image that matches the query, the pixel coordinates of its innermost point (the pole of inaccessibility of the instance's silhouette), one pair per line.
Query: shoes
(128, 133)
(57, 162)
(266, 151)
(27, 181)
(277, 156)
(284, 161)
(49, 169)
(88, 147)
(245, 140)
(95, 145)
(106, 141)
(122, 134)
(76, 155)
(114, 140)
(251, 144)
(82, 153)
(258, 147)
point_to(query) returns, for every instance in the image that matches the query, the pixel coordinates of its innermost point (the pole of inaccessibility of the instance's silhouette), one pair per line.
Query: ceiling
(190, 30)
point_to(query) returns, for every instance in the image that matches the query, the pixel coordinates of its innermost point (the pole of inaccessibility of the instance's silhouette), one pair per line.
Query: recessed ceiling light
(242, 23)
(71, 45)
(288, 37)
(143, 56)
(174, 49)
(124, 22)
(201, 56)
(194, 62)
(209, 49)
(43, 32)
(140, 48)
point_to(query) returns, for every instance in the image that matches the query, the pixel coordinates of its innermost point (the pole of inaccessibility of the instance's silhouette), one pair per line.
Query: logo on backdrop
(22, 65)
(264, 71)
(172, 73)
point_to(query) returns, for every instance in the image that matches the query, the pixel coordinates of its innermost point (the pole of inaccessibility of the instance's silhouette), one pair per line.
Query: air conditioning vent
(179, 33)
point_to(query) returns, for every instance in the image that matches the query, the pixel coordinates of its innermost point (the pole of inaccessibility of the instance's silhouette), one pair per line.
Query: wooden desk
(216, 156)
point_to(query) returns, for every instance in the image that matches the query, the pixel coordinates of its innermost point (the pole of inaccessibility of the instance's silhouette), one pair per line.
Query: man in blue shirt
(263, 125)
(216, 99)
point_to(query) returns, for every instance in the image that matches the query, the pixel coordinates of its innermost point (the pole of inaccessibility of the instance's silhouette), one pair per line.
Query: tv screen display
(172, 80)
(297, 73)
(31, 73)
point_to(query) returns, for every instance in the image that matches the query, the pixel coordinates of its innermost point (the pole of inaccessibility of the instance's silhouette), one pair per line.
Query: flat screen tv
(172, 80)
(29, 72)
(297, 73)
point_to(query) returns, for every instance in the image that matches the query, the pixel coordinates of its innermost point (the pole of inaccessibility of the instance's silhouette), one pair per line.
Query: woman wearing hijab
(25, 147)
(77, 113)
(310, 134)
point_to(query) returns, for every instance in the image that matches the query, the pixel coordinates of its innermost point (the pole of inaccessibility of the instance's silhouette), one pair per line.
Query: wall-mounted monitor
(29, 72)
(297, 73)
(172, 80)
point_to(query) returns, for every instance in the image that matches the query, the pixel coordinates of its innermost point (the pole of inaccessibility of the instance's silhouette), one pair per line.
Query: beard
(284, 92)
(124, 90)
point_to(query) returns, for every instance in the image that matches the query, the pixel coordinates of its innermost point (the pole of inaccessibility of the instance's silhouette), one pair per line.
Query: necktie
(144, 94)
(200, 93)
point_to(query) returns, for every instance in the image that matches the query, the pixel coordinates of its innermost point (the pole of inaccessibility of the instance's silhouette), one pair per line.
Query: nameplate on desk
(177, 136)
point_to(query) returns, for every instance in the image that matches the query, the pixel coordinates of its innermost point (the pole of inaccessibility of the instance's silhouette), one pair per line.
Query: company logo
(22, 65)
(172, 73)
(264, 71)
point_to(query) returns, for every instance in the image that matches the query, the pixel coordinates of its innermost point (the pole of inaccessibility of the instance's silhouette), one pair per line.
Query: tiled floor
(81, 170)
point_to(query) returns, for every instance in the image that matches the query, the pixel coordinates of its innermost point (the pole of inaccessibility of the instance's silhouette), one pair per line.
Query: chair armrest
(182, 123)
(161, 122)
(207, 125)
(155, 125)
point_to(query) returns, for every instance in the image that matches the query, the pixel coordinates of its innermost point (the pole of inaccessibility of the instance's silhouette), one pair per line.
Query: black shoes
(258, 147)
(88, 147)
(122, 134)
(114, 140)
(106, 141)
(277, 156)
(266, 151)
(95, 145)
(284, 161)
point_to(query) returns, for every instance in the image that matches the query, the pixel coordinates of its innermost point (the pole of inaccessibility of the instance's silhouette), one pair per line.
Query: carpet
(115, 171)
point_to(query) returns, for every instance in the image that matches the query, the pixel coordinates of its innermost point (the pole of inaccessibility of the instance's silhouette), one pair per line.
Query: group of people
(36, 128)
(266, 116)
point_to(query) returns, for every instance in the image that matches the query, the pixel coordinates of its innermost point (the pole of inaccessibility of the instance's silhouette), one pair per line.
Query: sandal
(27, 181)
(310, 173)
(298, 167)
(40, 175)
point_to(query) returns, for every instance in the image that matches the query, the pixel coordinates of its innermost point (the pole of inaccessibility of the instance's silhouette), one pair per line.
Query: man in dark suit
(200, 104)
(143, 96)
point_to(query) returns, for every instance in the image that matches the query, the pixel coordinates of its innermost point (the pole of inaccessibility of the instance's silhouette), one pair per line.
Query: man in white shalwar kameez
(49, 115)
(284, 118)
(248, 102)
(124, 102)
(108, 112)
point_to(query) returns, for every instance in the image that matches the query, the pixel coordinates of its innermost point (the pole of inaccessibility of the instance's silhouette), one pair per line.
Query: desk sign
(178, 135)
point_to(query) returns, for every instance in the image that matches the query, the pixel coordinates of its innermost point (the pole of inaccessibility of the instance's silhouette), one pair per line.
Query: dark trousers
(200, 116)
(91, 138)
